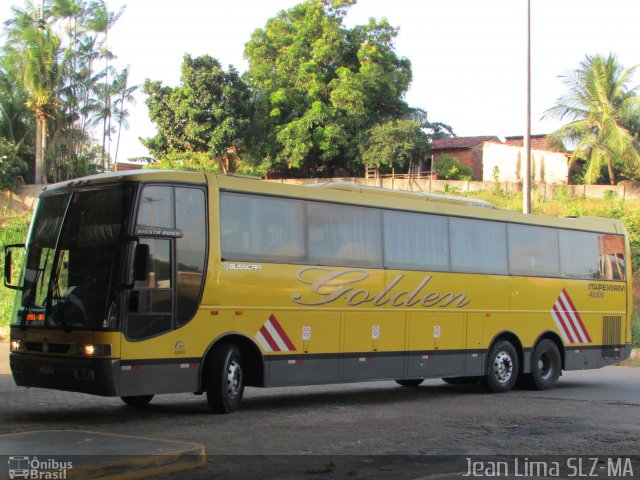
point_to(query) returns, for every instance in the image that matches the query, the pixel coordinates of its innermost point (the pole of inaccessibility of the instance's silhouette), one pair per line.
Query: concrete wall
(624, 190)
(547, 167)
(22, 200)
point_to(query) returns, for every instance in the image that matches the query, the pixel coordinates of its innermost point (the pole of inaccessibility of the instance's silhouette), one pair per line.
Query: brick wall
(538, 142)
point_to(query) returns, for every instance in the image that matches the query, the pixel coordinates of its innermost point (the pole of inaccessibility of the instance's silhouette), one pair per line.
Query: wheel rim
(234, 379)
(503, 367)
(545, 366)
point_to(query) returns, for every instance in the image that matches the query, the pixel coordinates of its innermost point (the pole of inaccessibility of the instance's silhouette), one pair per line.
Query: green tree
(208, 113)
(124, 95)
(35, 47)
(100, 20)
(604, 111)
(55, 51)
(449, 167)
(319, 86)
(16, 121)
(11, 165)
(396, 143)
(189, 161)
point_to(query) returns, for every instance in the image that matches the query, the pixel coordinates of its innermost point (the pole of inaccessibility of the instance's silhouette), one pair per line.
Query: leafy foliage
(189, 161)
(11, 165)
(318, 98)
(396, 143)
(449, 167)
(320, 87)
(206, 116)
(605, 118)
(13, 229)
(57, 62)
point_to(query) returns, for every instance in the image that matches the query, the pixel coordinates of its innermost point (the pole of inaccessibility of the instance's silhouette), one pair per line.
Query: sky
(468, 56)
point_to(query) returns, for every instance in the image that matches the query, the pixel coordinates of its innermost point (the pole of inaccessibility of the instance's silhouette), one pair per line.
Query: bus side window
(611, 253)
(344, 235)
(579, 255)
(478, 246)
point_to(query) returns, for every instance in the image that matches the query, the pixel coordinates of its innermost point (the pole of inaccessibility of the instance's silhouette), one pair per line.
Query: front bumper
(87, 375)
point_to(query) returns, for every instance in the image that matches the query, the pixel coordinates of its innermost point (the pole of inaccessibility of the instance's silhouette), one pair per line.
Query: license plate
(46, 369)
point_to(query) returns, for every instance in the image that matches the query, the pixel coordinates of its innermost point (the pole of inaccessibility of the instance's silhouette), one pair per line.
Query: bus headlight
(16, 345)
(92, 350)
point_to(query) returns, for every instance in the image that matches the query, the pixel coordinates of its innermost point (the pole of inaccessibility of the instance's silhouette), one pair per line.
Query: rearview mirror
(8, 260)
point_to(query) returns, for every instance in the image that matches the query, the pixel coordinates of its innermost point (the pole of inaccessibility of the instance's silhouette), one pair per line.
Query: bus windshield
(73, 259)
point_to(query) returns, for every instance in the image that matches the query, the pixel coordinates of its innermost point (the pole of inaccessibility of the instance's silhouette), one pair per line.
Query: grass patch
(635, 329)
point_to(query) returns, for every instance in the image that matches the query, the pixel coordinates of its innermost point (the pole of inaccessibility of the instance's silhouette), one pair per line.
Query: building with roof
(490, 158)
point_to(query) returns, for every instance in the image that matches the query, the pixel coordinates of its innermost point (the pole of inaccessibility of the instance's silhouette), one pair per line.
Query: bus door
(170, 230)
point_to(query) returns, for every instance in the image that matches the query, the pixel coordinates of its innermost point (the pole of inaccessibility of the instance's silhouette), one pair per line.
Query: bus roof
(351, 193)
(430, 197)
(130, 175)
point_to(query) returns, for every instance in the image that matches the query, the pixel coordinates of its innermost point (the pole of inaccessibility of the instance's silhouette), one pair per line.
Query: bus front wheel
(137, 400)
(502, 367)
(225, 382)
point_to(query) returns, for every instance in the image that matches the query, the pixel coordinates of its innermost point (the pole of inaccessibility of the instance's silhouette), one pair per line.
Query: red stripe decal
(283, 335)
(564, 314)
(267, 336)
(575, 310)
(567, 332)
(572, 317)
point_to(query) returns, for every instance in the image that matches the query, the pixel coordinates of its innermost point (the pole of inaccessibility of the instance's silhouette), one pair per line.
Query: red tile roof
(461, 142)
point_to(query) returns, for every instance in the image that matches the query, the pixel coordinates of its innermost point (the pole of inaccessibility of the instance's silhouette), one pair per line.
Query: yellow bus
(148, 282)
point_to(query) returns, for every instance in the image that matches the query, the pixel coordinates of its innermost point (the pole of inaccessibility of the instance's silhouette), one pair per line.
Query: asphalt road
(373, 429)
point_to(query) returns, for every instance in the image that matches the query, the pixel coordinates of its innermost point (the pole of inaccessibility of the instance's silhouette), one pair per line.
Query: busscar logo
(241, 266)
(35, 468)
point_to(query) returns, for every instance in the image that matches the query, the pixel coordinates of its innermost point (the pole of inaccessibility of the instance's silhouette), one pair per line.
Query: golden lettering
(328, 286)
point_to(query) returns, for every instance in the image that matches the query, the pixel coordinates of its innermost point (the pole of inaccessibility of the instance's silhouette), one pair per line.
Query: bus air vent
(611, 329)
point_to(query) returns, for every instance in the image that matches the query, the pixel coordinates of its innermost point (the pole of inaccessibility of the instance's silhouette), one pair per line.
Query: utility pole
(526, 183)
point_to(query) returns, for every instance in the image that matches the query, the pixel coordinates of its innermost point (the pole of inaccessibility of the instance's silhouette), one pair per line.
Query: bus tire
(502, 367)
(225, 382)
(546, 365)
(410, 382)
(137, 401)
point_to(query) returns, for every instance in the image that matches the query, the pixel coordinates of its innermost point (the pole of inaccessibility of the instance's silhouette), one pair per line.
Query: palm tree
(102, 21)
(35, 47)
(603, 109)
(124, 95)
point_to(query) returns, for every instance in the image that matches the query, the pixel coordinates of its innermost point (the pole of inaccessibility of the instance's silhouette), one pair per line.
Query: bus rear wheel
(502, 367)
(411, 382)
(546, 365)
(137, 400)
(225, 382)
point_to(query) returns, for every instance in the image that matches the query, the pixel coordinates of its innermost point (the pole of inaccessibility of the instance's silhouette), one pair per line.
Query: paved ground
(361, 430)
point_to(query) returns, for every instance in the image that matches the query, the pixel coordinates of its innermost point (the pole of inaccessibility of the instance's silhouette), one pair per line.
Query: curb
(93, 455)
